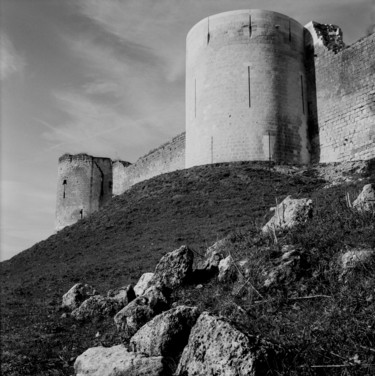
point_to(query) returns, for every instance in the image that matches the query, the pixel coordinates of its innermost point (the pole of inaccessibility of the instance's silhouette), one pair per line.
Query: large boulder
(143, 283)
(124, 295)
(140, 311)
(366, 199)
(117, 361)
(174, 268)
(77, 295)
(96, 307)
(289, 213)
(215, 347)
(166, 334)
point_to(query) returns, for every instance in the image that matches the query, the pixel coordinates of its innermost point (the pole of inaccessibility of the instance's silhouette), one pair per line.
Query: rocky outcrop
(143, 284)
(174, 268)
(117, 361)
(366, 199)
(166, 334)
(217, 348)
(96, 307)
(289, 213)
(140, 311)
(77, 295)
(124, 295)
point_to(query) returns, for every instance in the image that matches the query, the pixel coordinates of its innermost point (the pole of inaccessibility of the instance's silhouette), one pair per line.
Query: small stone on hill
(143, 284)
(174, 268)
(355, 258)
(289, 213)
(227, 270)
(96, 307)
(124, 295)
(117, 361)
(77, 295)
(215, 347)
(213, 255)
(140, 311)
(166, 334)
(366, 199)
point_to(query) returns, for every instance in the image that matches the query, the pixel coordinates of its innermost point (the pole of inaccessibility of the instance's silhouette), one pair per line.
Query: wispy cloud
(10, 61)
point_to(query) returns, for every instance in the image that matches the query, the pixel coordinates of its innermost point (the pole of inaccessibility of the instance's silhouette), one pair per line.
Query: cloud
(126, 104)
(10, 61)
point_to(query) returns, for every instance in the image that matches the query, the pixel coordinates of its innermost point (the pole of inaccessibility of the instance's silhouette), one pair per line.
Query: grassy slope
(126, 238)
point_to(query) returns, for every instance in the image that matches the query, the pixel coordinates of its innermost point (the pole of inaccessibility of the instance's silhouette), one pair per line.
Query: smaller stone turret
(84, 185)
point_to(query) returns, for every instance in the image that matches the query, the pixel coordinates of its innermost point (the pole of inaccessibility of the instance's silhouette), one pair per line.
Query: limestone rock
(354, 258)
(77, 295)
(166, 334)
(227, 270)
(96, 307)
(140, 311)
(286, 268)
(124, 295)
(217, 348)
(366, 199)
(214, 255)
(117, 361)
(289, 213)
(174, 268)
(143, 284)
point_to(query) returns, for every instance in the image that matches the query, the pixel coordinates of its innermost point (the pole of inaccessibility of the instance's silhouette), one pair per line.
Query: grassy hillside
(114, 246)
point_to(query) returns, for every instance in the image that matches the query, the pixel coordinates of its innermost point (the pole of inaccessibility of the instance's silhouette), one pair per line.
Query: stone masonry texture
(345, 83)
(166, 158)
(84, 184)
(246, 89)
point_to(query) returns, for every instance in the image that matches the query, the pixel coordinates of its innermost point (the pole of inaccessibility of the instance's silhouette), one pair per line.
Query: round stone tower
(246, 91)
(84, 184)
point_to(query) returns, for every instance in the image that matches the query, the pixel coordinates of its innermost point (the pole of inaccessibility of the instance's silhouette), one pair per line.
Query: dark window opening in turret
(64, 184)
(110, 185)
(81, 213)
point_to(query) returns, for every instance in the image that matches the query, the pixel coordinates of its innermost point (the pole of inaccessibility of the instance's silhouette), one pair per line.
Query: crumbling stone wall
(166, 158)
(345, 86)
(84, 184)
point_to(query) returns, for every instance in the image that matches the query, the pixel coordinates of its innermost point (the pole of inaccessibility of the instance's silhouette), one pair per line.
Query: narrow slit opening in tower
(248, 85)
(250, 30)
(64, 184)
(195, 98)
(208, 30)
(302, 96)
(81, 213)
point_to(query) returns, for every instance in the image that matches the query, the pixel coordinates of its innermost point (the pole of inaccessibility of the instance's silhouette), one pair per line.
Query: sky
(103, 77)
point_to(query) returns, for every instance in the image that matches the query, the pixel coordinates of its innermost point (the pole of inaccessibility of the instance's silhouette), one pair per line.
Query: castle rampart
(345, 85)
(166, 158)
(246, 89)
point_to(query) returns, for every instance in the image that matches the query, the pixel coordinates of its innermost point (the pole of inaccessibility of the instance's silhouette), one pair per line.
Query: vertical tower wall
(246, 91)
(84, 184)
(345, 81)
